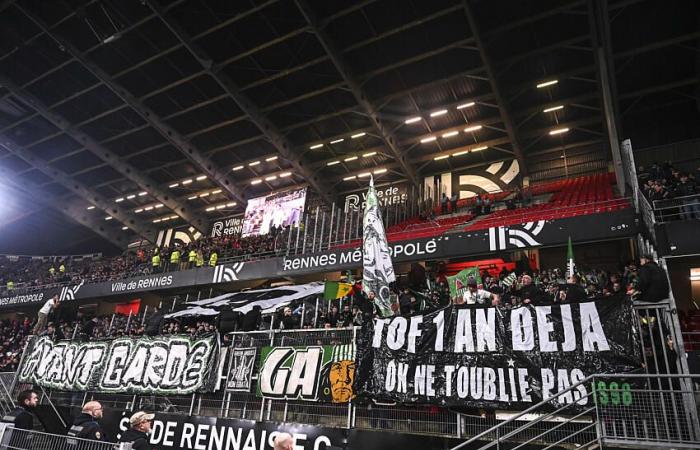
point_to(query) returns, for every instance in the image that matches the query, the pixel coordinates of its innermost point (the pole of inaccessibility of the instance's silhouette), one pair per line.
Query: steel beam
(127, 170)
(599, 29)
(283, 145)
(500, 99)
(92, 197)
(194, 154)
(384, 132)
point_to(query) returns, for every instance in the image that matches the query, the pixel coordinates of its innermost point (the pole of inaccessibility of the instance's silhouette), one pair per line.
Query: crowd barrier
(16, 439)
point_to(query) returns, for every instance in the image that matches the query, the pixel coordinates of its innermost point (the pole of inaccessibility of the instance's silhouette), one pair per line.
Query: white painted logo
(519, 238)
(225, 273)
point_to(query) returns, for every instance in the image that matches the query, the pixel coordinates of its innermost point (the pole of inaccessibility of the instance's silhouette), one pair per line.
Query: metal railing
(617, 410)
(678, 208)
(17, 439)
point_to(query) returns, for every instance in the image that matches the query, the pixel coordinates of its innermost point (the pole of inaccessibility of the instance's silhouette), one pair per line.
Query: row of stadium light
(365, 174)
(337, 141)
(253, 163)
(148, 208)
(461, 152)
(469, 129)
(204, 194)
(188, 181)
(270, 178)
(130, 197)
(351, 158)
(166, 218)
(221, 206)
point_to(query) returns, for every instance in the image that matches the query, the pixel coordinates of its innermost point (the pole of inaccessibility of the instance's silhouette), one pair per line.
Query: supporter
(443, 203)
(405, 302)
(137, 435)
(572, 292)
(346, 316)
(334, 317)
(22, 417)
(487, 204)
(453, 202)
(44, 312)
(653, 283)
(288, 321)
(251, 320)
(86, 425)
(473, 295)
(691, 206)
(284, 441)
(528, 292)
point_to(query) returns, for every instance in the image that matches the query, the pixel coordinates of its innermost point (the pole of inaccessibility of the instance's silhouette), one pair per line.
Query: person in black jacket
(573, 292)
(140, 423)
(86, 425)
(251, 320)
(21, 417)
(652, 283)
(529, 293)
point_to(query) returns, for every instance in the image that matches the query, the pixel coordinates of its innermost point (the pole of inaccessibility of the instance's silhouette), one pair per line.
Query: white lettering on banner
(143, 283)
(223, 436)
(291, 373)
(392, 195)
(398, 250)
(167, 365)
(231, 226)
(475, 330)
(18, 299)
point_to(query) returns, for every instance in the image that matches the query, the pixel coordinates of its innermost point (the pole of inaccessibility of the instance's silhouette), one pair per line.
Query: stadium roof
(131, 116)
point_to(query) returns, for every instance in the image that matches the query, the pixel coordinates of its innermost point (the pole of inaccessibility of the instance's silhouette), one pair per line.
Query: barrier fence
(16, 439)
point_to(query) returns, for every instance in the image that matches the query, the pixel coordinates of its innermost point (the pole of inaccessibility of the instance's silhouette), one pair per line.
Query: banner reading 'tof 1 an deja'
(495, 357)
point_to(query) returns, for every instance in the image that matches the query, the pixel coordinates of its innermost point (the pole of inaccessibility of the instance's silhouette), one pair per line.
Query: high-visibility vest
(175, 257)
(10, 285)
(213, 258)
(52, 270)
(62, 268)
(200, 260)
(192, 257)
(155, 260)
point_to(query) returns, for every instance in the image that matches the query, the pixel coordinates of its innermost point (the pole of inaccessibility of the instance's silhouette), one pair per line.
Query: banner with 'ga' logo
(312, 373)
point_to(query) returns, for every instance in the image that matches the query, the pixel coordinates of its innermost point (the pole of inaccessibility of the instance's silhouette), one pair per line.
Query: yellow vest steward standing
(175, 257)
(213, 258)
(62, 268)
(200, 259)
(52, 270)
(155, 260)
(192, 257)
(10, 285)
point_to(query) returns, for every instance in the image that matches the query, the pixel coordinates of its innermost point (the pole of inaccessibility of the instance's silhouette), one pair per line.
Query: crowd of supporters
(664, 182)
(21, 274)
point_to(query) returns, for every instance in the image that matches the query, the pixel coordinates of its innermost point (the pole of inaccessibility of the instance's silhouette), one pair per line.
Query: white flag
(377, 270)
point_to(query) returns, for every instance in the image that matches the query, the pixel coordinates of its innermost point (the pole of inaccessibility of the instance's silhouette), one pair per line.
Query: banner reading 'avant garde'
(144, 365)
(496, 357)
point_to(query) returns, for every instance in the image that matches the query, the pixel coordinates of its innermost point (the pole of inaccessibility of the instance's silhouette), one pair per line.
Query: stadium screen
(282, 209)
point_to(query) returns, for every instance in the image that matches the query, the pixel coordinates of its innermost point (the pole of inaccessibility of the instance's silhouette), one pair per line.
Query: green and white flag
(570, 266)
(458, 282)
(377, 269)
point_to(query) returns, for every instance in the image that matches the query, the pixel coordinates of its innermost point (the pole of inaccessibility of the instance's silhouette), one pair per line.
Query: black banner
(496, 357)
(241, 368)
(165, 365)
